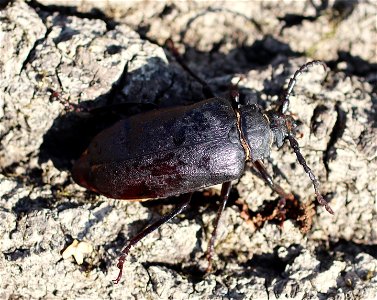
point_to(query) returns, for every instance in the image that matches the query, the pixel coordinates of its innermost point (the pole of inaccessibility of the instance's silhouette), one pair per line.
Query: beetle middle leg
(186, 198)
(225, 190)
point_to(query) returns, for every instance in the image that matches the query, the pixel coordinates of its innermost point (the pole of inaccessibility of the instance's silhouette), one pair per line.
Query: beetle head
(281, 126)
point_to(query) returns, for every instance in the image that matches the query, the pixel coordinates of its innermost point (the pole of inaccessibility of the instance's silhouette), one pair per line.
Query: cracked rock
(65, 67)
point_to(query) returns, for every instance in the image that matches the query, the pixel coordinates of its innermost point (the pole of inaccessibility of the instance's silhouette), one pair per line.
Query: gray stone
(58, 61)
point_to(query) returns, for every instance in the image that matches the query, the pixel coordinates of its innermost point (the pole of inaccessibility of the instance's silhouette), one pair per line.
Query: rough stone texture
(109, 52)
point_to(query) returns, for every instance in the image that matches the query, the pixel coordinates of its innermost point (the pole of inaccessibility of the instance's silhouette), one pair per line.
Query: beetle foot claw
(120, 264)
(116, 281)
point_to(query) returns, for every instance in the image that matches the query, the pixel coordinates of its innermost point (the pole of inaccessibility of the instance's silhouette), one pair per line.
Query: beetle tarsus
(120, 264)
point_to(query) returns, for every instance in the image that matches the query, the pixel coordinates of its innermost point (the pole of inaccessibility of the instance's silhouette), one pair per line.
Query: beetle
(179, 150)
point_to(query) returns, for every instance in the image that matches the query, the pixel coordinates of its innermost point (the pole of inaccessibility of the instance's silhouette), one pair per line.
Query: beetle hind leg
(186, 198)
(225, 190)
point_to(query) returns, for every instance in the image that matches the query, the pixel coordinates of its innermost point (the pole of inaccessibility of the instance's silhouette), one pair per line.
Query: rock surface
(58, 61)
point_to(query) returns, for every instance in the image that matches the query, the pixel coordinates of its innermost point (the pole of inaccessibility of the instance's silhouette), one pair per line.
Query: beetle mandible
(178, 150)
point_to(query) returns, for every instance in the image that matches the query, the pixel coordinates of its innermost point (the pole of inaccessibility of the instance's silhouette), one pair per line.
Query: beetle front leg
(268, 179)
(284, 196)
(225, 190)
(186, 198)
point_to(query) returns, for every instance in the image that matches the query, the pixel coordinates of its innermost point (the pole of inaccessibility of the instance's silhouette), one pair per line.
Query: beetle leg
(206, 89)
(268, 179)
(225, 190)
(186, 198)
(284, 196)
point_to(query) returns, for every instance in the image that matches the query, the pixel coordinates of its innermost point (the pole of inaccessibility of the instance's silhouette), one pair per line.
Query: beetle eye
(279, 136)
(296, 128)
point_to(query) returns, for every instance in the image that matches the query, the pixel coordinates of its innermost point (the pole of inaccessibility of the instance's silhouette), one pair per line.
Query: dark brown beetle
(179, 150)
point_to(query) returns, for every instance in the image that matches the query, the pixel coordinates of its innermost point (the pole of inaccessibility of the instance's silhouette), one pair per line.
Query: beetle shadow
(274, 261)
(71, 133)
(131, 93)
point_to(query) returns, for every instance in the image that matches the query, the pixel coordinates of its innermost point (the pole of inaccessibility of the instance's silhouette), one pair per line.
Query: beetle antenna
(284, 97)
(312, 177)
(207, 91)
